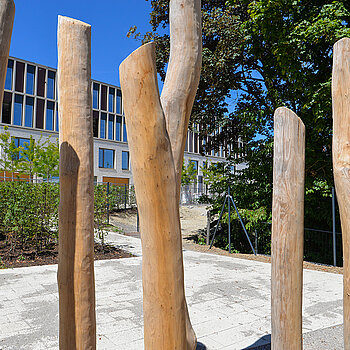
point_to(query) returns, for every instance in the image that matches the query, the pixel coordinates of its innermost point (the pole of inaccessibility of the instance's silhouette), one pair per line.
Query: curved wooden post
(341, 160)
(287, 231)
(7, 15)
(157, 129)
(77, 324)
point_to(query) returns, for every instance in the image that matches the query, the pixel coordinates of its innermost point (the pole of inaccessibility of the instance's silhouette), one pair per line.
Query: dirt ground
(193, 221)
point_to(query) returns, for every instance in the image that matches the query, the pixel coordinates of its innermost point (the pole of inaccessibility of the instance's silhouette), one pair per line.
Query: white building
(30, 108)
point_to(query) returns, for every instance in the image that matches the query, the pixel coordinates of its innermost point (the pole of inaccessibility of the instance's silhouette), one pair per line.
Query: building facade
(30, 107)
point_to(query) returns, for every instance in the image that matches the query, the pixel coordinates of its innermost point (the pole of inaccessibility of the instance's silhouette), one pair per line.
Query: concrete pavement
(228, 299)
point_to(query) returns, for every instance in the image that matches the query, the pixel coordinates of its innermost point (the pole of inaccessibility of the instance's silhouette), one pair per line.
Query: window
(111, 95)
(17, 110)
(40, 89)
(49, 115)
(51, 84)
(119, 102)
(29, 111)
(6, 108)
(125, 136)
(57, 121)
(103, 125)
(40, 104)
(19, 83)
(106, 158)
(118, 128)
(104, 97)
(95, 96)
(95, 123)
(20, 142)
(9, 72)
(195, 165)
(190, 141)
(195, 139)
(125, 160)
(30, 80)
(111, 127)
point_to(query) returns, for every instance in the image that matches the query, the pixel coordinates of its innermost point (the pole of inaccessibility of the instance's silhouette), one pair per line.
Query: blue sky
(34, 36)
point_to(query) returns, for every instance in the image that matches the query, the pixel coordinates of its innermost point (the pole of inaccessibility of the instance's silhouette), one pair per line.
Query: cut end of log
(284, 112)
(69, 20)
(149, 48)
(342, 44)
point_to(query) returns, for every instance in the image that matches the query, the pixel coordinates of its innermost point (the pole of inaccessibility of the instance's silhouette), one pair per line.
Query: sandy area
(193, 220)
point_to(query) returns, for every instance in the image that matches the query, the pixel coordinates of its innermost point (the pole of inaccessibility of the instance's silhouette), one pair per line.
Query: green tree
(189, 174)
(265, 54)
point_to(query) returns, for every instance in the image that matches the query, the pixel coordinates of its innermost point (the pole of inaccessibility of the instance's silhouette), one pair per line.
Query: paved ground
(229, 303)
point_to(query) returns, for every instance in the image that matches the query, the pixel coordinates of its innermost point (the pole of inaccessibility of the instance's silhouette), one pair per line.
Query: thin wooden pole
(7, 15)
(341, 160)
(77, 321)
(287, 231)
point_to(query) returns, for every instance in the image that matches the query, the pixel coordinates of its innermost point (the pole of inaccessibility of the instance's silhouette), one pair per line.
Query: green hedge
(29, 211)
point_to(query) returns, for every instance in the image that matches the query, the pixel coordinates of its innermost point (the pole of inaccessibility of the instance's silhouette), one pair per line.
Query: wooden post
(287, 231)
(341, 160)
(7, 15)
(77, 324)
(157, 128)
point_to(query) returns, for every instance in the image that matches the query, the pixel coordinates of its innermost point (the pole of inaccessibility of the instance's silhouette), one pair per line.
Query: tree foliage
(260, 55)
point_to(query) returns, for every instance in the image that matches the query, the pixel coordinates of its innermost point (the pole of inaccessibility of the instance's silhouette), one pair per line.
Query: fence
(194, 193)
(319, 245)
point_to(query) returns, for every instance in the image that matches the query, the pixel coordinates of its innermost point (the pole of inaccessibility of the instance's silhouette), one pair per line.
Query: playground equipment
(341, 160)
(228, 200)
(157, 128)
(287, 231)
(77, 320)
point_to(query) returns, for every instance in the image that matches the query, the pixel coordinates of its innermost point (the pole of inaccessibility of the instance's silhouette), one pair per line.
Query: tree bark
(77, 324)
(7, 16)
(157, 129)
(341, 161)
(287, 231)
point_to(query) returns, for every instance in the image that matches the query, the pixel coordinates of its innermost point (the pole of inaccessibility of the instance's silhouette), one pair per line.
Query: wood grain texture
(341, 160)
(287, 231)
(77, 320)
(154, 177)
(183, 73)
(7, 15)
(157, 129)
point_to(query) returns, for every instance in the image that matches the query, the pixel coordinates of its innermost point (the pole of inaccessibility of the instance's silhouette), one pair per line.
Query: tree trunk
(341, 160)
(7, 15)
(77, 324)
(157, 129)
(287, 231)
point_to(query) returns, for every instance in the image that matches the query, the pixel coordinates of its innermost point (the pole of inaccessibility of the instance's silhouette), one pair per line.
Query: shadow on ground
(264, 343)
(201, 346)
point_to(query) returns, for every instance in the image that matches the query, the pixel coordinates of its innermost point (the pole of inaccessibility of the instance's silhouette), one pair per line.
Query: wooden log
(154, 177)
(7, 15)
(341, 161)
(77, 320)
(160, 225)
(183, 73)
(287, 231)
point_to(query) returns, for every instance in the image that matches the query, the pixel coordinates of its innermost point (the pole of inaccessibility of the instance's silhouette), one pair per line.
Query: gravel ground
(193, 220)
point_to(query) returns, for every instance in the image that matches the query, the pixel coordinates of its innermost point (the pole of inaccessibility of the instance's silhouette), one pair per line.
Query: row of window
(106, 159)
(29, 79)
(106, 98)
(31, 112)
(109, 126)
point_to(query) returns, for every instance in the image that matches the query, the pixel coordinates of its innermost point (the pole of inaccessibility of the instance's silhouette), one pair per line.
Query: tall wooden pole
(341, 160)
(157, 128)
(287, 231)
(7, 15)
(77, 324)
